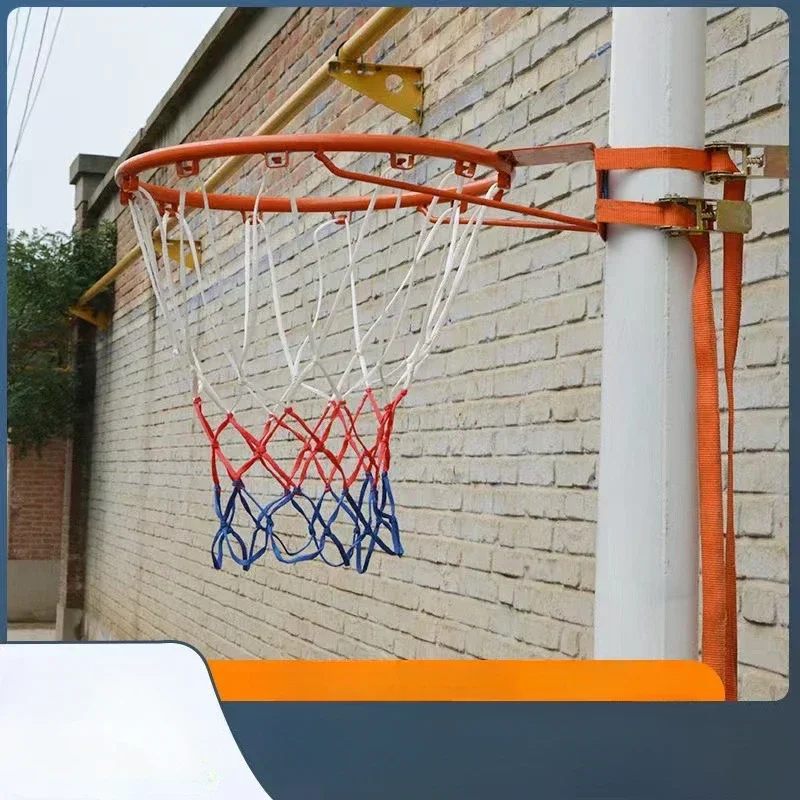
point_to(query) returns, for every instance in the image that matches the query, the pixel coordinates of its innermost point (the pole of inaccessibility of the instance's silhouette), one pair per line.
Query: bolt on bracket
(754, 161)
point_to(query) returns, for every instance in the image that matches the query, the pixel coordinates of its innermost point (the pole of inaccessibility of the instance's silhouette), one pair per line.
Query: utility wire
(26, 117)
(35, 67)
(44, 69)
(19, 58)
(13, 38)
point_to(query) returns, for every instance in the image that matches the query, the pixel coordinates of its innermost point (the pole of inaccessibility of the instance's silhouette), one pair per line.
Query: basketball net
(334, 413)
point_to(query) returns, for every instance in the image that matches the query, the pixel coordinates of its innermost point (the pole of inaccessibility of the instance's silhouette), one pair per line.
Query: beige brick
(766, 51)
(568, 605)
(760, 430)
(452, 637)
(763, 561)
(727, 33)
(534, 534)
(764, 19)
(507, 562)
(758, 606)
(760, 347)
(551, 14)
(569, 642)
(762, 389)
(771, 215)
(768, 91)
(765, 647)
(759, 685)
(574, 538)
(538, 471)
(576, 339)
(722, 73)
(763, 472)
(537, 631)
(553, 569)
(587, 77)
(575, 471)
(782, 604)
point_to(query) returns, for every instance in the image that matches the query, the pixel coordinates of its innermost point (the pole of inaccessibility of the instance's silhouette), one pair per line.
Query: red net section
(352, 468)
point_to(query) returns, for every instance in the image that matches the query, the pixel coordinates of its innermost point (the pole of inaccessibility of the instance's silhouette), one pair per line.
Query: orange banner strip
(383, 681)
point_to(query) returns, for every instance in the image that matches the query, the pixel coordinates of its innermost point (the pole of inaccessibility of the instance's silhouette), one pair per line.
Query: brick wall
(36, 504)
(495, 449)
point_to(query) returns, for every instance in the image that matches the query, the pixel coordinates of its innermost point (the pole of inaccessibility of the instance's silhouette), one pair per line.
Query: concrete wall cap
(89, 164)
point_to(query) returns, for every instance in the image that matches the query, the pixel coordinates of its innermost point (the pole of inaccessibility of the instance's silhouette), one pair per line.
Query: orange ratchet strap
(682, 215)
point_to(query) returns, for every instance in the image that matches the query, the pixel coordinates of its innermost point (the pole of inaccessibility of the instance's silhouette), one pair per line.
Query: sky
(108, 70)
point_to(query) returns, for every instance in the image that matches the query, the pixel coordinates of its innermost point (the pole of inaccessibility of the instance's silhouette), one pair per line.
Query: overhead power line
(13, 38)
(30, 102)
(19, 58)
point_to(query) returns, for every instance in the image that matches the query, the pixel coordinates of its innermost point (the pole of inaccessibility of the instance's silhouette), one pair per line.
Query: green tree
(47, 273)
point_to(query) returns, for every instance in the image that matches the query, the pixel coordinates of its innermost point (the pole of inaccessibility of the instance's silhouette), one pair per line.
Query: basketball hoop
(319, 440)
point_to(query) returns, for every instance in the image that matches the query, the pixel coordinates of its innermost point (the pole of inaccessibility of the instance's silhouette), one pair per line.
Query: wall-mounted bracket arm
(399, 88)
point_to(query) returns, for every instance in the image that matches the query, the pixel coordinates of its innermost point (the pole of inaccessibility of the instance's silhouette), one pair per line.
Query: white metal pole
(647, 549)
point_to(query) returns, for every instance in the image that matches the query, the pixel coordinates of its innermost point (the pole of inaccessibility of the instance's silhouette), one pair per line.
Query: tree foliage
(47, 273)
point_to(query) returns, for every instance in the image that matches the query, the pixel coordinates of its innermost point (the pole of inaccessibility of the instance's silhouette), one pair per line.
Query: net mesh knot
(356, 494)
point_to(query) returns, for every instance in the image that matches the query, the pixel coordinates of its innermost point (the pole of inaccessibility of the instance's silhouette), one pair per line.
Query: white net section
(332, 257)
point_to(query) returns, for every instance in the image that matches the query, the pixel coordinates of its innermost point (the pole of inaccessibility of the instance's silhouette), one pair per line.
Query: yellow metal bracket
(174, 250)
(397, 88)
(753, 161)
(99, 319)
(714, 216)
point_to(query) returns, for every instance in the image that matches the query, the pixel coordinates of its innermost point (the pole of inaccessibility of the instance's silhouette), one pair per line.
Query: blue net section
(368, 510)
